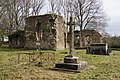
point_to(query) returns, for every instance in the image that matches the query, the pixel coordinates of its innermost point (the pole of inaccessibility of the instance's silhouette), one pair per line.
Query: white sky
(112, 9)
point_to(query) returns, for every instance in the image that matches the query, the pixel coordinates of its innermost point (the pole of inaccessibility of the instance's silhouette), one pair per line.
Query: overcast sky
(112, 9)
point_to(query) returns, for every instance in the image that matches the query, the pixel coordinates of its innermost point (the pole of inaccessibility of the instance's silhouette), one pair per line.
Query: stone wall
(17, 39)
(61, 34)
(88, 36)
(50, 32)
(95, 36)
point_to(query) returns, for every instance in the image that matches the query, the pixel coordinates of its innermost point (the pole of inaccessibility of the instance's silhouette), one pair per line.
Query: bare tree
(37, 5)
(89, 14)
(52, 5)
(13, 12)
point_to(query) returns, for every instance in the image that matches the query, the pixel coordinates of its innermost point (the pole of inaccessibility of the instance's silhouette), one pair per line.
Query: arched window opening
(88, 40)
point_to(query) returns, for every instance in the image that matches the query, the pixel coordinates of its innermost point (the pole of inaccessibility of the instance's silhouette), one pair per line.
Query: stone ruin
(17, 39)
(49, 29)
(88, 37)
(49, 32)
(44, 31)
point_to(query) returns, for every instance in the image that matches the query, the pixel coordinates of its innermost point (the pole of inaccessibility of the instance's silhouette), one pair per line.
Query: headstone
(71, 62)
(99, 48)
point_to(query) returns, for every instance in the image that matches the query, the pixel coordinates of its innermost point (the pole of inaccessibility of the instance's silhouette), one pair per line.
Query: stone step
(72, 66)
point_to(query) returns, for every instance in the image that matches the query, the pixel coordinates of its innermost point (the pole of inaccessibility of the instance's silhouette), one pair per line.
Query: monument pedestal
(72, 63)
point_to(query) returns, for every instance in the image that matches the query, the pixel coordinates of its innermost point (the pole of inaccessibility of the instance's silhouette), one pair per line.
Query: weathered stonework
(49, 32)
(99, 48)
(88, 36)
(50, 29)
(17, 39)
(44, 32)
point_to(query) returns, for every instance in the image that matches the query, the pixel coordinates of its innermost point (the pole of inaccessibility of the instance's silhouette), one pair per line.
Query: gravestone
(71, 62)
(99, 48)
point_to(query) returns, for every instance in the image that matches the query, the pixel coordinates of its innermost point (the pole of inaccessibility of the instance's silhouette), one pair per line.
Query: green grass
(101, 67)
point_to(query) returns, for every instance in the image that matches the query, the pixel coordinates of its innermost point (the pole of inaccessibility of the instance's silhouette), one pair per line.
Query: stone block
(72, 66)
(98, 48)
(71, 60)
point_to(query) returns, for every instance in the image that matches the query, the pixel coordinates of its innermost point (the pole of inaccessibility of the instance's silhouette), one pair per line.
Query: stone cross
(71, 29)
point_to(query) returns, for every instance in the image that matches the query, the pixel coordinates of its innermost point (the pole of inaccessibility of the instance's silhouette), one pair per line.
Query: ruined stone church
(87, 37)
(44, 31)
(49, 32)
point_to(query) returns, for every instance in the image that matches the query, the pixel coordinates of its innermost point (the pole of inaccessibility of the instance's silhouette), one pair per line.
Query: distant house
(88, 36)
(44, 31)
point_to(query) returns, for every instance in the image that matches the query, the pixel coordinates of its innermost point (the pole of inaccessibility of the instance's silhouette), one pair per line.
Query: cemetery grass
(101, 67)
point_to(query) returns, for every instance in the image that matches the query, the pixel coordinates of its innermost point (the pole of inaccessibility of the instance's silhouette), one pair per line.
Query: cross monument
(71, 29)
(71, 62)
